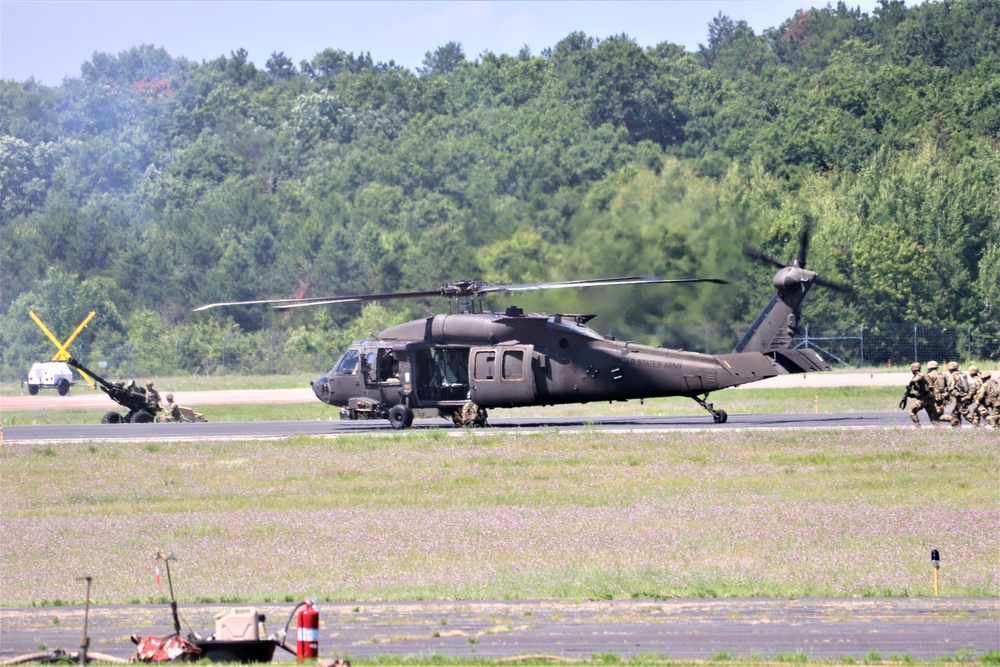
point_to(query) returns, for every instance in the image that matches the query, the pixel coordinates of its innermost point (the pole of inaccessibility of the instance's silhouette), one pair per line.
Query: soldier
(994, 418)
(986, 399)
(471, 415)
(958, 389)
(152, 398)
(939, 383)
(971, 410)
(921, 390)
(171, 411)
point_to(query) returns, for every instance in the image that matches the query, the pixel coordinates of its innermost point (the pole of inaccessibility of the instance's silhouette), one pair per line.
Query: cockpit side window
(348, 364)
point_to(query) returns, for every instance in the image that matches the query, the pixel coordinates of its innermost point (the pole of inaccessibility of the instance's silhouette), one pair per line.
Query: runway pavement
(284, 429)
(921, 628)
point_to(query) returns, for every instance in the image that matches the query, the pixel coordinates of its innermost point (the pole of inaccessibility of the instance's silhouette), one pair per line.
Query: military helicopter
(460, 364)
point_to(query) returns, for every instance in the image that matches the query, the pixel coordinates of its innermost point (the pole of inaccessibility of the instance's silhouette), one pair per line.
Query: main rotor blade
(328, 300)
(318, 300)
(258, 302)
(597, 282)
(463, 288)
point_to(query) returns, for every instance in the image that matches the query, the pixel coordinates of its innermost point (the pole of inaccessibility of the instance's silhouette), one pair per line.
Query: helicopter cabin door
(502, 376)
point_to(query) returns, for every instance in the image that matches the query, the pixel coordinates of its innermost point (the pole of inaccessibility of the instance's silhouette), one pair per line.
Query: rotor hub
(792, 278)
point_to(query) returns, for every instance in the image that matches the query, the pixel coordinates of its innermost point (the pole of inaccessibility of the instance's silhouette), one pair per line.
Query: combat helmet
(932, 365)
(986, 375)
(915, 366)
(952, 365)
(973, 370)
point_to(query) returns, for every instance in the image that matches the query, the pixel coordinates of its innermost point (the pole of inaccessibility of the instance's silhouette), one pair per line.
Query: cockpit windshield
(348, 364)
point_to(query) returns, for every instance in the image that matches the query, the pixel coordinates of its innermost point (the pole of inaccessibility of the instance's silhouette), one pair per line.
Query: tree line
(151, 184)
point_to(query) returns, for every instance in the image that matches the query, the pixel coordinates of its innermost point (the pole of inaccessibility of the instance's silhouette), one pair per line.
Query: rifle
(906, 395)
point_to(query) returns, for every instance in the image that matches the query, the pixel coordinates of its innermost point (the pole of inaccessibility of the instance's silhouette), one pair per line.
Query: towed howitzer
(126, 395)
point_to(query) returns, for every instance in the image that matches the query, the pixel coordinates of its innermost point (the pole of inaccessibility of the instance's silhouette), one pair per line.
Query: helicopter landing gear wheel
(400, 417)
(719, 416)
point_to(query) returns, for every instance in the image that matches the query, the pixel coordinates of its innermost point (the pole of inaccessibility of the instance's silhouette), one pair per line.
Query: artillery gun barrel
(132, 398)
(105, 385)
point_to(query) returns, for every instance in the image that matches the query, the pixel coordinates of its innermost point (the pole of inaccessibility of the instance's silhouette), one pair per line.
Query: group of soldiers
(976, 396)
(171, 411)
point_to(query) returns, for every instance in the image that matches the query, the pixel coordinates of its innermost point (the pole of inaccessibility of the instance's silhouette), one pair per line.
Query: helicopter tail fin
(772, 330)
(771, 334)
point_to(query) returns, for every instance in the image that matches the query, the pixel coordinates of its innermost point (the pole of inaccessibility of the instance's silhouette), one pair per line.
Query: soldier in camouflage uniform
(958, 389)
(171, 411)
(986, 401)
(971, 410)
(921, 390)
(994, 418)
(939, 383)
(470, 416)
(152, 398)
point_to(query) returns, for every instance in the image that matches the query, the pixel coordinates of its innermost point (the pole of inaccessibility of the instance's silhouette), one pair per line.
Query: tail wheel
(719, 416)
(400, 417)
(142, 417)
(111, 418)
(63, 387)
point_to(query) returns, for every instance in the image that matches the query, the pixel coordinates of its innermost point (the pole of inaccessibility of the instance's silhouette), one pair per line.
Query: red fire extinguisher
(307, 646)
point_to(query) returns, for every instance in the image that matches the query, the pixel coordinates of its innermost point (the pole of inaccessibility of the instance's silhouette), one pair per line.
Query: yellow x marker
(63, 353)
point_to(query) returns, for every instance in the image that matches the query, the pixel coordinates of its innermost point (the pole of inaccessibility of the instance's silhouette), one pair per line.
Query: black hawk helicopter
(460, 364)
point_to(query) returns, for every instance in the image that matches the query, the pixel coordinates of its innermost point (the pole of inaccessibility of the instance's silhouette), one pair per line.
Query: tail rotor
(777, 324)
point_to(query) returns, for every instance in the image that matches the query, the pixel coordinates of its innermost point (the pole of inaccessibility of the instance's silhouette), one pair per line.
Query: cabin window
(513, 365)
(485, 363)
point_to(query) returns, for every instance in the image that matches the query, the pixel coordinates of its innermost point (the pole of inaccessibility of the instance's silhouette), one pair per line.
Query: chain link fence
(268, 353)
(900, 344)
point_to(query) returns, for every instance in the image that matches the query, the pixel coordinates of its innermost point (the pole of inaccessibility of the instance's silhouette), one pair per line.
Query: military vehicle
(460, 364)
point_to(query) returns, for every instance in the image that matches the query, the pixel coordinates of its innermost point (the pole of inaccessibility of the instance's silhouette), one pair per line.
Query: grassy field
(489, 515)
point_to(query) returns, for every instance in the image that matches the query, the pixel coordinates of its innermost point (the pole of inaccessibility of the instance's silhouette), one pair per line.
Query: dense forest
(151, 184)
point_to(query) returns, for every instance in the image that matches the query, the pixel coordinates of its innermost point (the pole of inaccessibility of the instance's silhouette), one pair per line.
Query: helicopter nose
(321, 387)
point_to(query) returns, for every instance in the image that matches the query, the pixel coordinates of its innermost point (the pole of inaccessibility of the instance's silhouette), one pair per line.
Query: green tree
(280, 66)
(443, 60)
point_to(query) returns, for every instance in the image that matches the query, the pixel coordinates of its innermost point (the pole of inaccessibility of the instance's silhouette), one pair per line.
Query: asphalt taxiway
(284, 429)
(819, 628)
